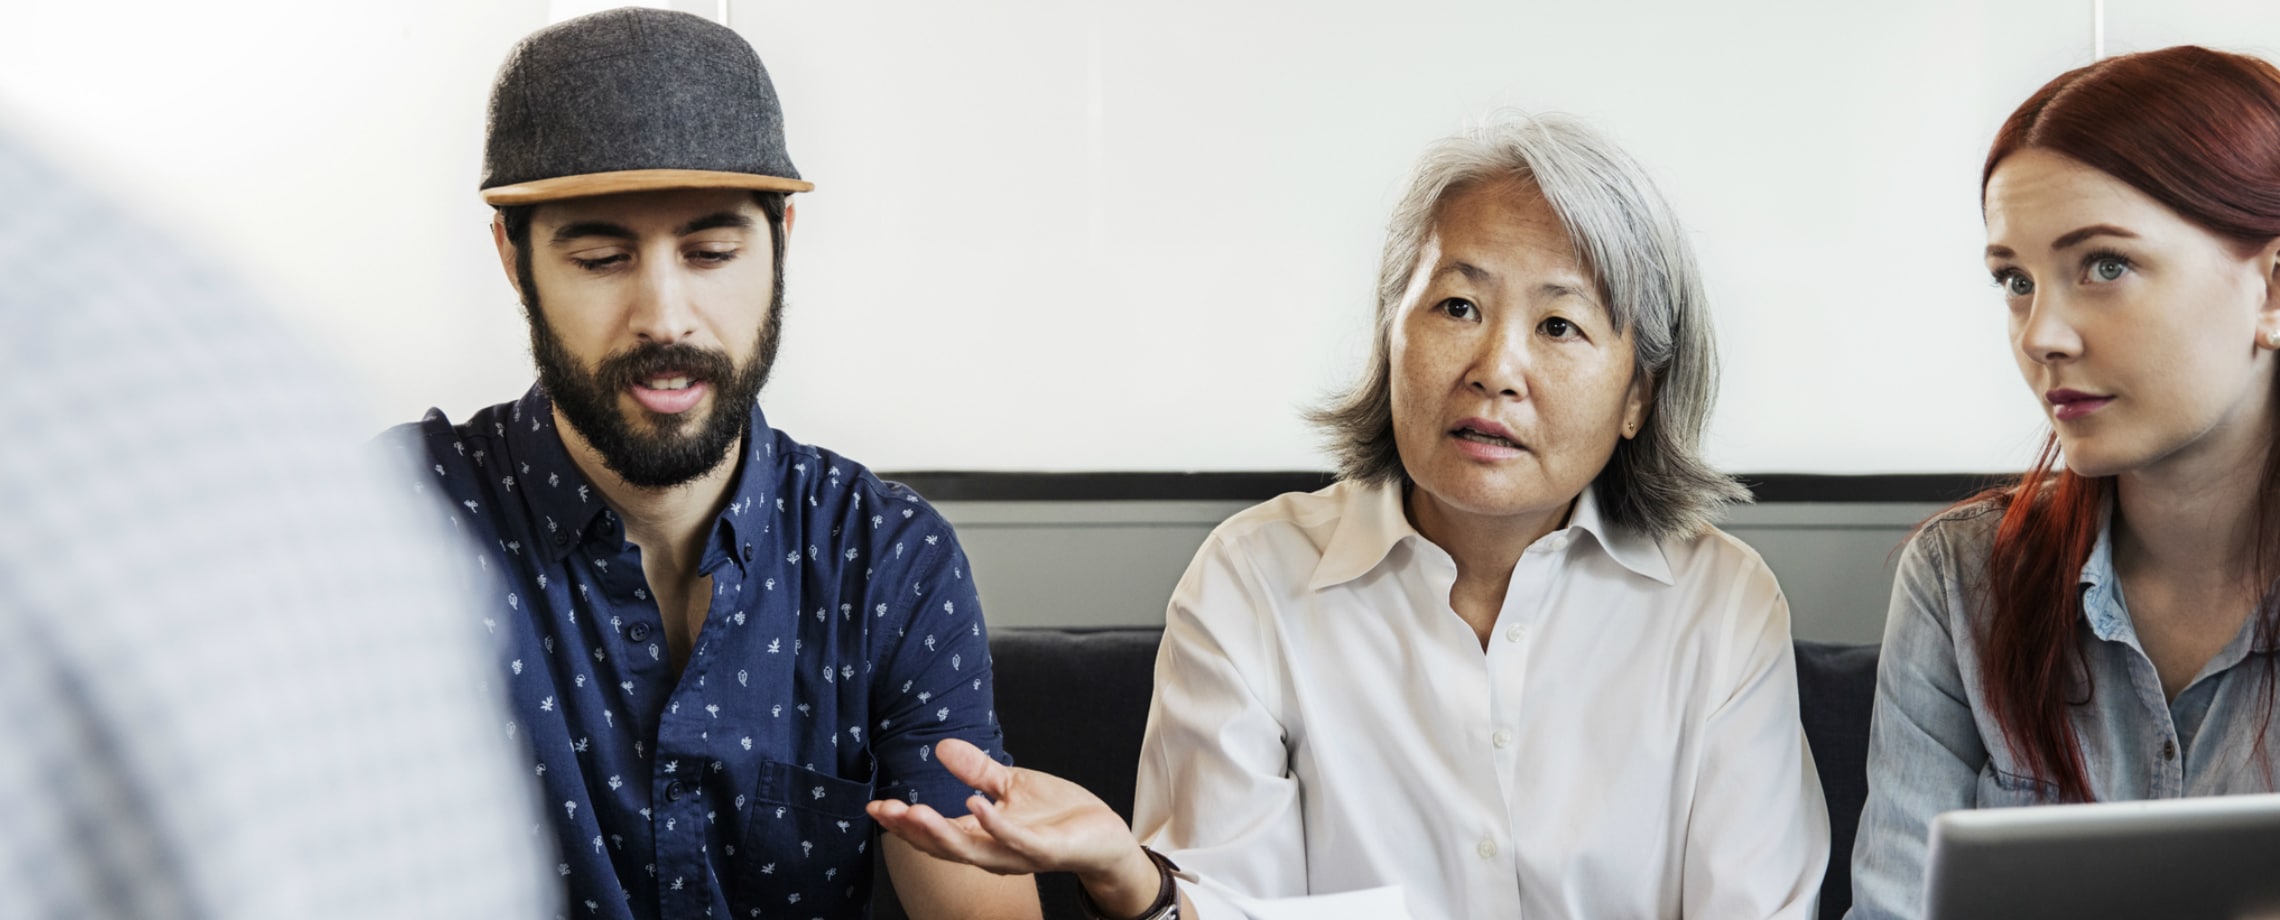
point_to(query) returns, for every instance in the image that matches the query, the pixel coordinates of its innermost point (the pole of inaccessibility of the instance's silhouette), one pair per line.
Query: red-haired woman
(2107, 630)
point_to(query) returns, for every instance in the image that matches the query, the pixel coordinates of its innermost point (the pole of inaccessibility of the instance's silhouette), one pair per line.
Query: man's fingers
(972, 767)
(1009, 832)
(926, 829)
(962, 840)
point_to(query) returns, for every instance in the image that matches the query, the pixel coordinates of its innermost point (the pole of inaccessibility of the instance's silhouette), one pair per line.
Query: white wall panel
(2244, 26)
(1125, 236)
(1071, 235)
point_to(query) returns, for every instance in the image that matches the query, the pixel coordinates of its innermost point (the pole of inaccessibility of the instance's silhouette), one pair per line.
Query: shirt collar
(564, 504)
(1373, 522)
(2103, 606)
(2101, 590)
(1627, 546)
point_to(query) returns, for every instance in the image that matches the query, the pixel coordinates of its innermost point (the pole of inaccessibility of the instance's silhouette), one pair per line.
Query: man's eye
(1460, 308)
(598, 264)
(713, 256)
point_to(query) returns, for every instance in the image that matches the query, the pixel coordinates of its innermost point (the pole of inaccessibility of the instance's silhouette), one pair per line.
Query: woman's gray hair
(1624, 232)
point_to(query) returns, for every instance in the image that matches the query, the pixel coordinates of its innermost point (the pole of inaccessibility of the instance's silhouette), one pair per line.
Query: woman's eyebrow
(1471, 272)
(2075, 238)
(2067, 240)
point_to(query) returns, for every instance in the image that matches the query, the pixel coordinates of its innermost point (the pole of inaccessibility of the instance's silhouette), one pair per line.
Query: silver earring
(2272, 340)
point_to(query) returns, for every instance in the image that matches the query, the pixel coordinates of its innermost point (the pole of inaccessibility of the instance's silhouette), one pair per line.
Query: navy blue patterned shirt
(843, 640)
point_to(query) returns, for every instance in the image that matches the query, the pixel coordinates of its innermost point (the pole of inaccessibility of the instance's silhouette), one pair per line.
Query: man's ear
(506, 253)
(791, 212)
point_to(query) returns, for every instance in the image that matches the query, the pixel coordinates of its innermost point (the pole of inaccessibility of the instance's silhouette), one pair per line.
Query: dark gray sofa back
(1073, 703)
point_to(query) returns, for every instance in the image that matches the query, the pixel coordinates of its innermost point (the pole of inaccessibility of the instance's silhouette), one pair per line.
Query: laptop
(2215, 857)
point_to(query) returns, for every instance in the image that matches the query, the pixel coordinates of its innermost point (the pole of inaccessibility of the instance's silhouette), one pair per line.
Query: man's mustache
(645, 362)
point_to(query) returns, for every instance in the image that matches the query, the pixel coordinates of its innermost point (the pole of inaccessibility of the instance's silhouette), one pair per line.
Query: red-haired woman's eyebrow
(2075, 238)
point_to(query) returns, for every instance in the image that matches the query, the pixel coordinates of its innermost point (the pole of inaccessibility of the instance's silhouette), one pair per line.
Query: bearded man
(721, 642)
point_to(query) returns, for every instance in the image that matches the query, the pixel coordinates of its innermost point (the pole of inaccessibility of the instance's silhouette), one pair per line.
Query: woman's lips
(2068, 405)
(1484, 440)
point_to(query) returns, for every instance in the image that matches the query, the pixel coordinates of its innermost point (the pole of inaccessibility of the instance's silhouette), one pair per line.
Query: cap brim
(635, 180)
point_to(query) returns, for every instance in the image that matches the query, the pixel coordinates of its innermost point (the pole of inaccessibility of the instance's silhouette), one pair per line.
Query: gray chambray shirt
(1935, 745)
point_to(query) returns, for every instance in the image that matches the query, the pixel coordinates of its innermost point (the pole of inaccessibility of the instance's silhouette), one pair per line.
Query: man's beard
(660, 451)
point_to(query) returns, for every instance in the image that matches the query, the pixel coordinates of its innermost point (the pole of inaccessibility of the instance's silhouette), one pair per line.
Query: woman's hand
(1038, 823)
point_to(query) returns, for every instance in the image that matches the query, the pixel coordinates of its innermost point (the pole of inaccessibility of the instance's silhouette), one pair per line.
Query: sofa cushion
(1074, 703)
(1836, 684)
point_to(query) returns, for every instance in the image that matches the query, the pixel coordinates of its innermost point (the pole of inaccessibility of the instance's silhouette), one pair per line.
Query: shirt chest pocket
(2003, 789)
(806, 835)
(784, 785)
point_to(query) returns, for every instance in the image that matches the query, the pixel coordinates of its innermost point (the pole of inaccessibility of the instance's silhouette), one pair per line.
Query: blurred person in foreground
(723, 642)
(236, 681)
(2105, 628)
(1504, 664)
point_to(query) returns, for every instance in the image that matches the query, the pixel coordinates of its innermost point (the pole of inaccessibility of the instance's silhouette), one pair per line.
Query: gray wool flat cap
(631, 100)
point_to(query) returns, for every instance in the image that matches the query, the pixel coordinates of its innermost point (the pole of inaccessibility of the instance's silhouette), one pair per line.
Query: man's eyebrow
(586, 228)
(724, 220)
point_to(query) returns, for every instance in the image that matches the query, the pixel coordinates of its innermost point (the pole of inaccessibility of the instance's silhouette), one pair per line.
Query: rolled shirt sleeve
(937, 663)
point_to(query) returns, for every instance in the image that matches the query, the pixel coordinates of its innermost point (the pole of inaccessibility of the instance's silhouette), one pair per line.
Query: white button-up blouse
(1628, 745)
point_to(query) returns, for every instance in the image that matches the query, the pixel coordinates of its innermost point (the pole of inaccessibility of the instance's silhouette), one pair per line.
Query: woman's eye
(1460, 308)
(1559, 328)
(2015, 284)
(2107, 268)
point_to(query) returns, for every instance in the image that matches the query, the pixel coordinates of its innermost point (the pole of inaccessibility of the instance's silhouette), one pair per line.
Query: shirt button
(637, 632)
(1502, 739)
(1513, 634)
(748, 552)
(674, 791)
(2169, 749)
(1486, 849)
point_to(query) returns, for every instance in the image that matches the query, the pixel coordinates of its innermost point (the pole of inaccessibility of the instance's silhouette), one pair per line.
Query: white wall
(1051, 234)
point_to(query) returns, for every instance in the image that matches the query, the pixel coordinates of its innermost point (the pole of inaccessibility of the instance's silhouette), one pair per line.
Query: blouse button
(674, 791)
(748, 552)
(2169, 749)
(1486, 849)
(1502, 739)
(1513, 634)
(637, 632)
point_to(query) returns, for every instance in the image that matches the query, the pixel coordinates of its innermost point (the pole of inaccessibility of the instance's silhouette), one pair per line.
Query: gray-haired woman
(1504, 664)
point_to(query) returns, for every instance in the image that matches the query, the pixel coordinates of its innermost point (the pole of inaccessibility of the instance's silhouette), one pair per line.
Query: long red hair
(2199, 131)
